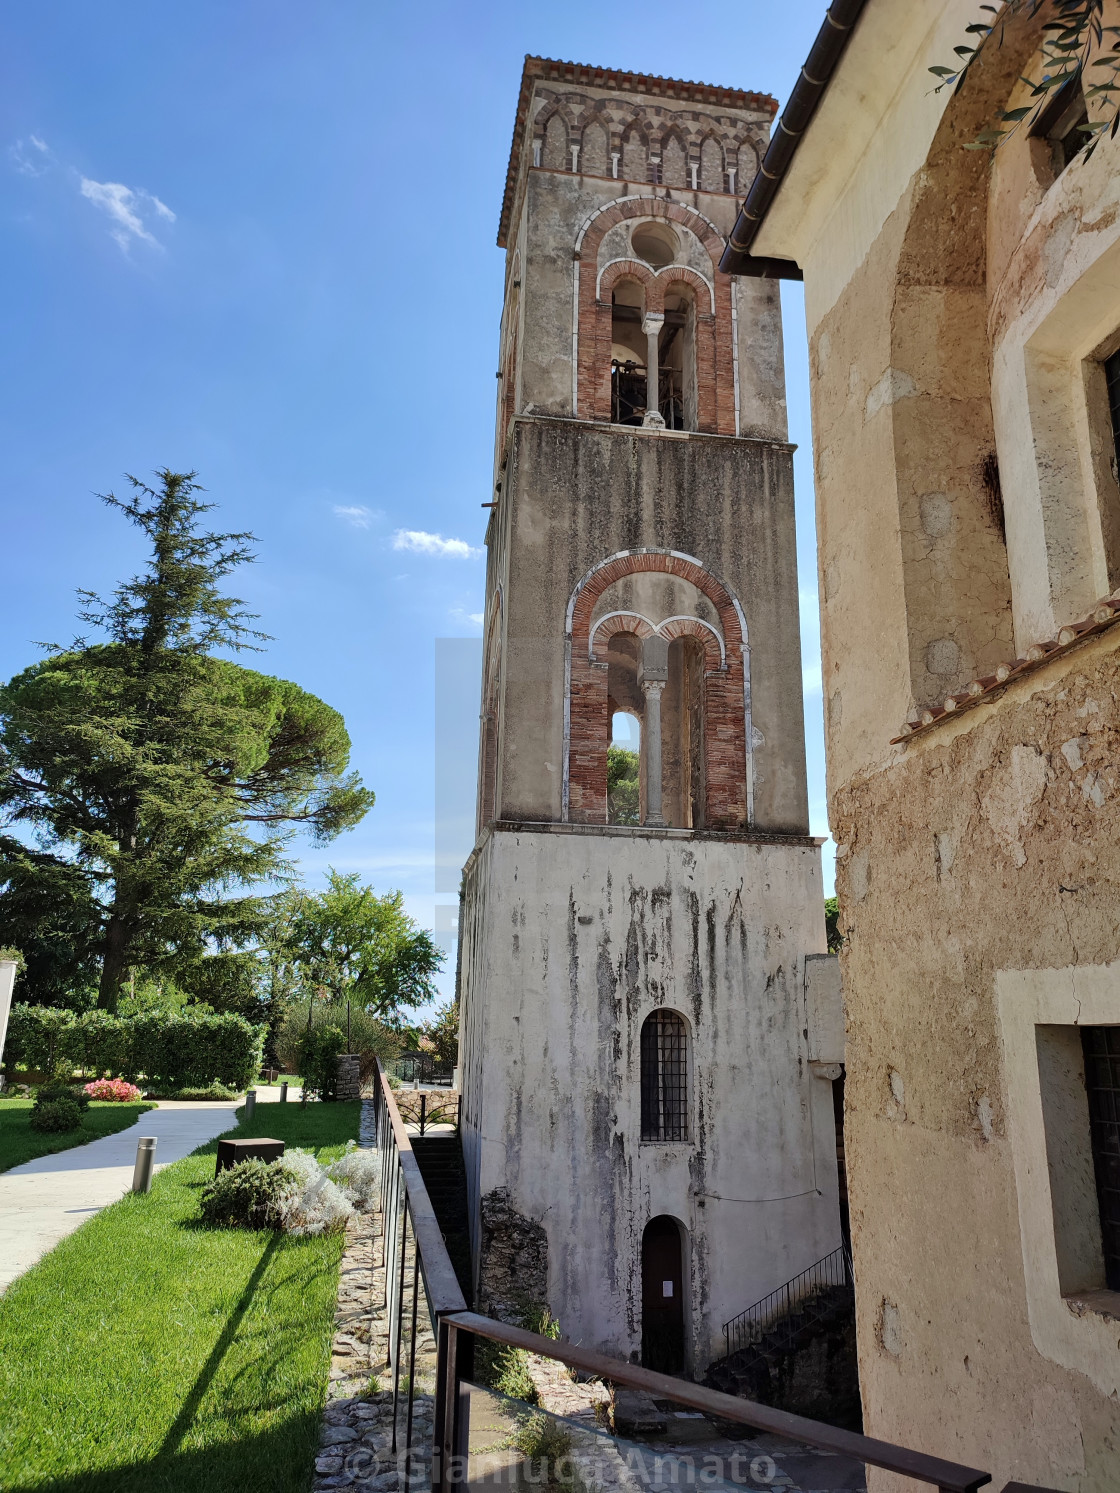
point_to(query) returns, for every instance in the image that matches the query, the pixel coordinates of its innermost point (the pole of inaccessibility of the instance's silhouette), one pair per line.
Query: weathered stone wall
(570, 940)
(513, 1260)
(575, 494)
(991, 845)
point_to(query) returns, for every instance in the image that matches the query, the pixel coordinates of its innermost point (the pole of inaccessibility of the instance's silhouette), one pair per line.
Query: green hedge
(175, 1051)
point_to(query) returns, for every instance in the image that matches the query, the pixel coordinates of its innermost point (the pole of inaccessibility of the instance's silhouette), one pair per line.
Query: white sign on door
(666, 1288)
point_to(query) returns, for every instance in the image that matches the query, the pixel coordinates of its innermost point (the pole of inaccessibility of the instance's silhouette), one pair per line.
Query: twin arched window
(653, 352)
(664, 1062)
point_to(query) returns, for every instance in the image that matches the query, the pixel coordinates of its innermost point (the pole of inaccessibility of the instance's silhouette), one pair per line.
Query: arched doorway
(662, 1296)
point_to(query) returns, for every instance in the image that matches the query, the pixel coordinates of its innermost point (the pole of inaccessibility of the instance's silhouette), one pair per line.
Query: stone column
(348, 1082)
(653, 674)
(652, 322)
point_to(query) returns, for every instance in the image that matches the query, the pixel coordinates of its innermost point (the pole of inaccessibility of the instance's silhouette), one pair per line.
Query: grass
(19, 1143)
(148, 1353)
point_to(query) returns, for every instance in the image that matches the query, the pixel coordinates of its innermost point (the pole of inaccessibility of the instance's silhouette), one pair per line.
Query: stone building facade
(963, 309)
(649, 1148)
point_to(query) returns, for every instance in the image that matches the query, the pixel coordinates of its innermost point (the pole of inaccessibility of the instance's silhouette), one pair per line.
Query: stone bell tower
(647, 1148)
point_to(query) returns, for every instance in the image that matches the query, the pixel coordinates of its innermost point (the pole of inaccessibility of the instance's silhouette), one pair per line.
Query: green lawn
(149, 1354)
(19, 1143)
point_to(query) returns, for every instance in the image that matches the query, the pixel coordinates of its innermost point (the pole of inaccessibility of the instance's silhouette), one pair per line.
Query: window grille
(1112, 379)
(1101, 1046)
(664, 1077)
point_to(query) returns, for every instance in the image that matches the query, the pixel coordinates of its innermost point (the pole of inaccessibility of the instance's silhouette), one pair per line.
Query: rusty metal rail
(405, 1203)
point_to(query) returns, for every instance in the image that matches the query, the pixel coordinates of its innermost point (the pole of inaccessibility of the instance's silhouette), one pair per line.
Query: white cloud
(357, 515)
(126, 209)
(811, 679)
(31, 156)
(421, 543)
(462, 617)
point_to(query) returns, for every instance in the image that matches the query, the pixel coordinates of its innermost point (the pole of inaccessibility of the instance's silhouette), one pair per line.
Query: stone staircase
(803, 1360)
(440, 1159)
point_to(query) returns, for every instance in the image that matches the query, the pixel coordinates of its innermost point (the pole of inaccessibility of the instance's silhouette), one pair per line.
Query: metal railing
(406, 1207)
(802, 1297)
(425, 1110)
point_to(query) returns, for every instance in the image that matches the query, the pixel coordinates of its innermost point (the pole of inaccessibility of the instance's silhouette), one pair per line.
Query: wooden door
(662, 1297)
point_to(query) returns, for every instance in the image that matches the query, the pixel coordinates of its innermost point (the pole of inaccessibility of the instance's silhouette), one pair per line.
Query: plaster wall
(958, 307)
(968, 874)
(571, 939)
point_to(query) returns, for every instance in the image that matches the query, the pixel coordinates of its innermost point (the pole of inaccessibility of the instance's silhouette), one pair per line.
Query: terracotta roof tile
(1104, 615)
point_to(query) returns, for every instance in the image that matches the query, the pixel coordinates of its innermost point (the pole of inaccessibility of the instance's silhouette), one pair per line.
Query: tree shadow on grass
(275, 1461)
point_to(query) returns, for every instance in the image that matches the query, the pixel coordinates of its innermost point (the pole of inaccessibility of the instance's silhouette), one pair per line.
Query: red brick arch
(715, 366)
(725, 722)
(632, 622)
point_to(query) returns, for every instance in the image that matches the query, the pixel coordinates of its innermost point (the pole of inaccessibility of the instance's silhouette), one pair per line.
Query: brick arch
(633, 622)
(680, 274)
(715, 371)
(631, 269)
(727, 731)
(693, 627)
(545, 113)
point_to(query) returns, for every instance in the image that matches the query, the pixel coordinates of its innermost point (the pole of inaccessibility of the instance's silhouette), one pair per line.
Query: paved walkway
(44, 1200)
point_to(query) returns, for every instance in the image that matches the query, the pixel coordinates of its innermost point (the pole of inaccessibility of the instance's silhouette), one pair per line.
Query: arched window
(711, 166)
(676, 350)
(635, 157)
(624, 768)
(629, 346)
(594, 158)
(556, 154)
(664, 1077)
(674, 161)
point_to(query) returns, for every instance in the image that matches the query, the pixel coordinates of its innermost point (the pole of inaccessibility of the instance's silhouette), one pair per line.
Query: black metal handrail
(796, 1297)
(405, 1202)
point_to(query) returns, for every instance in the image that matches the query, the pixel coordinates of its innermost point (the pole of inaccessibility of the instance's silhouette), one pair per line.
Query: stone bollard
(250, 1105)
(348, 1078)
(284, 1092)
(145, 1160)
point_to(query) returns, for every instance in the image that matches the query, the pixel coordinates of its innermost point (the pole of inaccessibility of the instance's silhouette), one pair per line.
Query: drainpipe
(815, 76)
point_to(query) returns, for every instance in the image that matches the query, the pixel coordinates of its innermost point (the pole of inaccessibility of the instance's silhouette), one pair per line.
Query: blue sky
(256, 238)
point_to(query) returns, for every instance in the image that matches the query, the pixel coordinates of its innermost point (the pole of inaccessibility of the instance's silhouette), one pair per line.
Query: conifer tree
(171, 778)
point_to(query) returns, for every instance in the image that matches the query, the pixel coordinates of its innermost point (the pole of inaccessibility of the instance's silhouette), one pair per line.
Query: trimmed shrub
(212, 1092)
(248, 1195)
(172, 1050)
(50, 1093)
(57, 1115)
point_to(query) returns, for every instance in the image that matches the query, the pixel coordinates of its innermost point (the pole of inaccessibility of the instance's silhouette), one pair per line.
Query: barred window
(664, 1077)
(1101, 1048)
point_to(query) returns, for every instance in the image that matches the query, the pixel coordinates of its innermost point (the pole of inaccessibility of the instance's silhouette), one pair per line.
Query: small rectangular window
(1101, 1048)
(1062, 122)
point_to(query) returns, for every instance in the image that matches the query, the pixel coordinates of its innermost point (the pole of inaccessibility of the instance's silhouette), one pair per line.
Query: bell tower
(638, 1105)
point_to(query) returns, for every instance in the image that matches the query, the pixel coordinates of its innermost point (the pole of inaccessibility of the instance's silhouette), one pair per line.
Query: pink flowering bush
(115, 1090)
